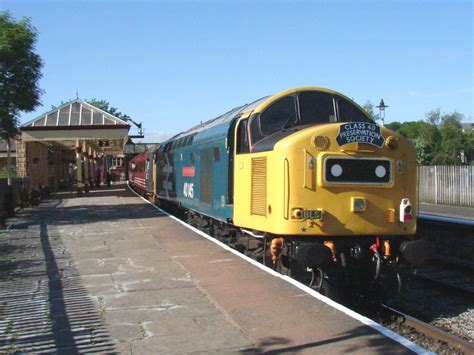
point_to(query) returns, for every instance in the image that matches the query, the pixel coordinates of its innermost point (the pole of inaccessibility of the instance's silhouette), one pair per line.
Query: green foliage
(394, 126)
(439, 139)
(434, 117)
(424, 151)
(105, 106)
(369, 109)
(20, 71)
(453, 140)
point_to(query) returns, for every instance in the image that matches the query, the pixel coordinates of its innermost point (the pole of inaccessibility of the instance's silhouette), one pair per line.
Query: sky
(173, 64)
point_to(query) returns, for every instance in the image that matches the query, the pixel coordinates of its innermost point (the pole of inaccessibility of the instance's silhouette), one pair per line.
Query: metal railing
(446, 185)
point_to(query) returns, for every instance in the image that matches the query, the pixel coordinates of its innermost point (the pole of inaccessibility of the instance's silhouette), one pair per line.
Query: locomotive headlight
(392, 142)
(358, 204)
(336, 170)
(380, 171)
(321, 142)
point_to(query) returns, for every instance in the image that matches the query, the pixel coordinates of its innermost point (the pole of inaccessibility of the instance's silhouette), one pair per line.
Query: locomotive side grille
(259, 187)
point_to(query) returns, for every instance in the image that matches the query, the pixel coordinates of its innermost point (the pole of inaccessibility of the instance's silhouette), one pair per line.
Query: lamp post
(382, 108)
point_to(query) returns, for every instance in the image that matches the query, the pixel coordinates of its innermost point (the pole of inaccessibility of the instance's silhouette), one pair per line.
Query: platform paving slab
(108, 273)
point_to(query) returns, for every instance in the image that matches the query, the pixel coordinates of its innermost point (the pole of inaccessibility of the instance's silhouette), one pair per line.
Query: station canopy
(76, 122)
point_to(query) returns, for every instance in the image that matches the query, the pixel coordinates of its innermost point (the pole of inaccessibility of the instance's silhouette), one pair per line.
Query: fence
(446, 185)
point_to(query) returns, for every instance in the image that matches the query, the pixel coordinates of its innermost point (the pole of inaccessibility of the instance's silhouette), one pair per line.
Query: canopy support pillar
(79, 170)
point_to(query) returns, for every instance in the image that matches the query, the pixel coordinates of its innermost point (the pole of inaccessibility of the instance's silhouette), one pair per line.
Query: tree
(369, 109)
(453, 140)
(470, 147)
(20, 71)
(439, 140)
(105, 106)
(394, 126)
(434, 117)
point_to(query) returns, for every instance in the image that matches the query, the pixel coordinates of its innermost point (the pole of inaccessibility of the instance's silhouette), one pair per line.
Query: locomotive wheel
(324, 285)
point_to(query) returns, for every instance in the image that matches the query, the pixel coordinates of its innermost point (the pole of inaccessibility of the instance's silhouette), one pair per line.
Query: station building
(70, 144)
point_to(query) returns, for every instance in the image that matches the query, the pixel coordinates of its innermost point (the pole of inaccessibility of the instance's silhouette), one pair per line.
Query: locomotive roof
(225, 118)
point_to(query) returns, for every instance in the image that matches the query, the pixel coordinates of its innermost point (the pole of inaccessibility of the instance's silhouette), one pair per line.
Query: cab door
(242, 175)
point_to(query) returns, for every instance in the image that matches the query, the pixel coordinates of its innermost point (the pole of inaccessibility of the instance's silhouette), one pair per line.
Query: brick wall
(36, 156)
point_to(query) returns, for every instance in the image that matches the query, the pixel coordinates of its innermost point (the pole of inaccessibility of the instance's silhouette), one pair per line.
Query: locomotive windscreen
(316, 107)
(303, 109)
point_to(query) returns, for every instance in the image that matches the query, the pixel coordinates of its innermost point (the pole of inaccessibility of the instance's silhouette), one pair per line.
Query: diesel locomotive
(303, 181)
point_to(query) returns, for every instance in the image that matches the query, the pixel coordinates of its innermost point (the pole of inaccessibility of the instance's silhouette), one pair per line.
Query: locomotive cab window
(242, 138)
(348, 112)
(316, 107)
(279, 115)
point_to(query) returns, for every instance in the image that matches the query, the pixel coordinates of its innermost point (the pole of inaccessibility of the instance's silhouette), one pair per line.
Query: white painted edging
(364, 320)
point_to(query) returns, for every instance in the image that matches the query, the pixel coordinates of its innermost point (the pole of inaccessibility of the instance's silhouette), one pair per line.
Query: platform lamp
(382, 108)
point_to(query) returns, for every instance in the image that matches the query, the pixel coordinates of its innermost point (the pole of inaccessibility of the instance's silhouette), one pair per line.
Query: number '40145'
(188, 189)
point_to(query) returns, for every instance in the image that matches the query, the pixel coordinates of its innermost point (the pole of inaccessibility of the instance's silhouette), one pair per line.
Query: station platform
(108, 272)
(447, 211)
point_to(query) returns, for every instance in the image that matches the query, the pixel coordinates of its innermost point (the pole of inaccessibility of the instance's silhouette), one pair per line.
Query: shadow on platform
(44, 307)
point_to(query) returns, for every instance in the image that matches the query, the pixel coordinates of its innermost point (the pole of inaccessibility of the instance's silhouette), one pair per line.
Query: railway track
(453, 267)
(453, 237)
(428, 330)
(452, 288)
(454, 278)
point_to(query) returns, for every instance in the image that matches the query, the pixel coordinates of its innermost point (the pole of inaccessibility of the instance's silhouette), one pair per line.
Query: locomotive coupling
(313, 255)
(417, 252)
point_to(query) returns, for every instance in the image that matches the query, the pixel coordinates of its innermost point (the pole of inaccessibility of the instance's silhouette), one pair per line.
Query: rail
(427, 329)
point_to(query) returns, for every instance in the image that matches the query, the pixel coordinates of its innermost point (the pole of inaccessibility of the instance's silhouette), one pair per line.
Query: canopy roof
(75, 113)
(77, 122)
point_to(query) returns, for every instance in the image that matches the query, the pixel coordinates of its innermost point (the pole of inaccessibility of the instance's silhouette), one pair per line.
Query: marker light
(392, 142)
(406, 210)
(321, 142)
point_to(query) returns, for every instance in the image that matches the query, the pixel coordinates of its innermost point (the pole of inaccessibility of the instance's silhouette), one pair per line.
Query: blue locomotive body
(202, 174)
(195, 168)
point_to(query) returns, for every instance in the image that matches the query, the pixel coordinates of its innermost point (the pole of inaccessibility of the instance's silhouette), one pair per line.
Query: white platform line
(364, 320)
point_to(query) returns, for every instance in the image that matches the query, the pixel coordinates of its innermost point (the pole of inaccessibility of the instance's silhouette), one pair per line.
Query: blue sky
(172, 64)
